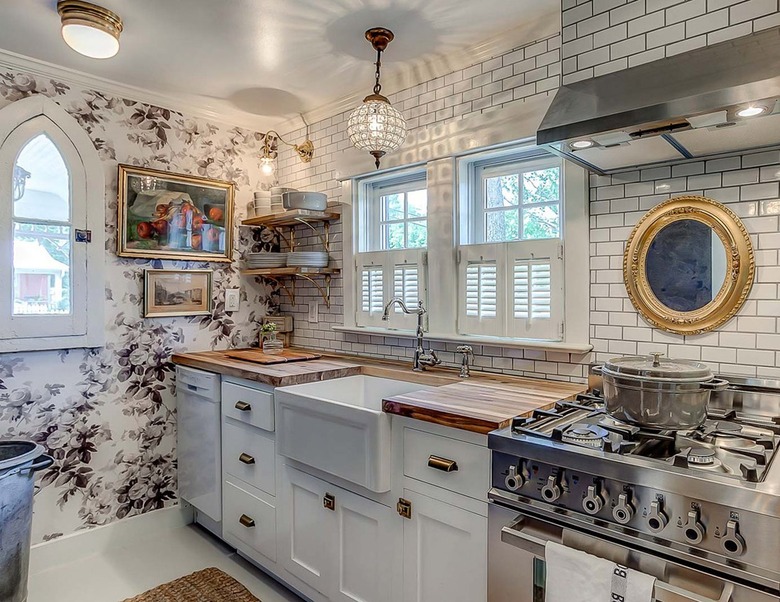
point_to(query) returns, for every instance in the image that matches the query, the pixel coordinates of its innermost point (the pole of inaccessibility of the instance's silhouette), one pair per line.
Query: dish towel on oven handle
(575, 576)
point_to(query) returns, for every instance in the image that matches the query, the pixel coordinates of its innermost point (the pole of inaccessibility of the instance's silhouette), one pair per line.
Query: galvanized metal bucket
(19, 460)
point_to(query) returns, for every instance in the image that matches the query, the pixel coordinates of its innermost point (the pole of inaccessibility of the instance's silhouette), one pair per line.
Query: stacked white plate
(262, 203)
(276, 192)
(308, 259)
(266, 260)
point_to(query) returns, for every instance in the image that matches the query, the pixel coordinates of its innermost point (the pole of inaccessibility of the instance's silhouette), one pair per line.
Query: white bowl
(312, 201)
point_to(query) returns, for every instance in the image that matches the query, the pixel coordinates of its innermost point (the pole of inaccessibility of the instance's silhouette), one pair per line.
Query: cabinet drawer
(430, 458)
(249, 519)
(248, 454)
(248, 405)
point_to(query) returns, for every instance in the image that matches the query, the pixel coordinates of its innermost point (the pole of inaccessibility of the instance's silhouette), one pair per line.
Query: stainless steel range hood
(682, 107)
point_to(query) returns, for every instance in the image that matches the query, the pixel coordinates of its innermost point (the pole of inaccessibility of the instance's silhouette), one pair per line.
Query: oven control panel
(729, 533)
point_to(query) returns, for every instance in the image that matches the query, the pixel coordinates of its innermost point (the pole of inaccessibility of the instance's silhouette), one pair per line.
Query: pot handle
(598, 370)
(43, 461)
(715, 384)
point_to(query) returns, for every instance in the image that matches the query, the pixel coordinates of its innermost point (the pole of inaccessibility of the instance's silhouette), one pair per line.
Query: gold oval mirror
(688, 265)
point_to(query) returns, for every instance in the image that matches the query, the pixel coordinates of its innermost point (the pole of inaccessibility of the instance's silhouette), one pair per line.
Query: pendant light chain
(377, 85)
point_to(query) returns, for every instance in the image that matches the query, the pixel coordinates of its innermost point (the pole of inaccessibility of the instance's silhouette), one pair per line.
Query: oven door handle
(516, 535)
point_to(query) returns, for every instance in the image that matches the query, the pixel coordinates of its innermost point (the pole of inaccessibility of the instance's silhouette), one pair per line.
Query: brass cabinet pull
(442, 464)
(247, 521)
(246, 459)
(404, 508)
(243, 406)
(329, 501)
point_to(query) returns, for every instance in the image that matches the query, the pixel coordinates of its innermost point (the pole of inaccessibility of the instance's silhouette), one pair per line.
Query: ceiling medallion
(376, 126)
(89, 29)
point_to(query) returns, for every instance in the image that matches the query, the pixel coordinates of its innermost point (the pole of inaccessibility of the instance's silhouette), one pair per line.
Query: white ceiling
(264, 61)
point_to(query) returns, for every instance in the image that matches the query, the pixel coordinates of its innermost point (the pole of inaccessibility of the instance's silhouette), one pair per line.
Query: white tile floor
(128, 571)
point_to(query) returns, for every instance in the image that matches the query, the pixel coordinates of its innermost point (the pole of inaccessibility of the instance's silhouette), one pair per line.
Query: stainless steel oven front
(517, 571)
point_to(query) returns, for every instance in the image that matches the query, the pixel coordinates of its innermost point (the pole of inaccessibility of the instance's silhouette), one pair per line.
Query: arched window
(51, 230)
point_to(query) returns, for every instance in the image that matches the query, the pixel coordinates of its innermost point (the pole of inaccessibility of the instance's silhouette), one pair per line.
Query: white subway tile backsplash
(627, 47)
(649, 22)
(752, 9)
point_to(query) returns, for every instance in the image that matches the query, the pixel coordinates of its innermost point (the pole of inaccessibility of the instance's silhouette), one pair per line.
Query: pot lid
(16, 453)
(656, 366)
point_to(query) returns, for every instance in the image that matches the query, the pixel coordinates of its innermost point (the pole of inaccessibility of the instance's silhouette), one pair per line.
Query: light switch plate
(314, 312)
(232, 299)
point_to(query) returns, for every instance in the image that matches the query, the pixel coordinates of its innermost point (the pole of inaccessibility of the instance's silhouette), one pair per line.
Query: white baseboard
(98, 540)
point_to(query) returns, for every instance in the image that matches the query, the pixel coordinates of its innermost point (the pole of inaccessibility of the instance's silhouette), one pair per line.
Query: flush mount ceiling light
(89, 29)
(579, 144)
(305, 150)
(751, 111)
(376, 126)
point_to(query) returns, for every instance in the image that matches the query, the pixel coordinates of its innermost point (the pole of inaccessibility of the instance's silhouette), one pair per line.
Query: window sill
(561, 346)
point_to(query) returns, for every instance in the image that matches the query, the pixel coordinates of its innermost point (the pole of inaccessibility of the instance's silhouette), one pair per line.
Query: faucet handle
(466, 350)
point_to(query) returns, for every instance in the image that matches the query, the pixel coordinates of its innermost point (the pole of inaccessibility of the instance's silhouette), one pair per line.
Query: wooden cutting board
(257, 356)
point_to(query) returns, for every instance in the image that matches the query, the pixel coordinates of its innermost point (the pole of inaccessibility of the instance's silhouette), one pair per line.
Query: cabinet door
(445, 552)
(368, 532)
(307, 530)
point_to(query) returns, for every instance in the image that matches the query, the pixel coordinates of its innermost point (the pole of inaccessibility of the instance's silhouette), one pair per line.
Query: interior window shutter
(536, 294)
(371, 271)
(408, 272)
(481, 303)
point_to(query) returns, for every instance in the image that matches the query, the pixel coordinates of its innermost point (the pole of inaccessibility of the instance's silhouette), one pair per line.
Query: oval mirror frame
(740, 265)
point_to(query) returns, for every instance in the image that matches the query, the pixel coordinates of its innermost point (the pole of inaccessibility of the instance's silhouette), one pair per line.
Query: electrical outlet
(314, 312)
(232, 299)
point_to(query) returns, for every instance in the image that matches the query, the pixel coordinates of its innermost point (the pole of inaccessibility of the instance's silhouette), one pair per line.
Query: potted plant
(270, 343)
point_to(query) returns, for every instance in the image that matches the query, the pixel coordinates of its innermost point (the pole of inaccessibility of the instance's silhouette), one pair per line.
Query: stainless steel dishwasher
(199, 441)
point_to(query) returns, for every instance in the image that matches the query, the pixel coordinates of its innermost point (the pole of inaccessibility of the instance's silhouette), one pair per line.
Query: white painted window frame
(20, 122)
(369, 250)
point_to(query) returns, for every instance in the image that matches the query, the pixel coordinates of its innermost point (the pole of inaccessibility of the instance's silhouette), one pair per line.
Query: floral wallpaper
(108, 415)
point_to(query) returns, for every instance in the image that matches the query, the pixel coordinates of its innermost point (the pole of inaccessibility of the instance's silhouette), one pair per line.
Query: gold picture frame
(171, 293)
(164, 215)
(739, 265)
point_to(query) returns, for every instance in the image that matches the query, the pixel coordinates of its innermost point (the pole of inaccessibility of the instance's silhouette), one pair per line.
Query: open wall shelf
(285, 278)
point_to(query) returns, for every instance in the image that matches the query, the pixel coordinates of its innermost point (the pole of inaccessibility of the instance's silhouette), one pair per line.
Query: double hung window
(510, 251)
(392, 231)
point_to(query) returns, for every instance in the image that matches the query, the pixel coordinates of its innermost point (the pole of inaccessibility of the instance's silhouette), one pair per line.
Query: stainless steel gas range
(698, 509)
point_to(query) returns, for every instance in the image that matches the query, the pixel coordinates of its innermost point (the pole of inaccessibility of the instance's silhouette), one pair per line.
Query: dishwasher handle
(517, 535)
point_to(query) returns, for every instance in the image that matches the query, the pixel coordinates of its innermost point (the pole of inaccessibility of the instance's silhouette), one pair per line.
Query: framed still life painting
(174, 216)
(169, 293)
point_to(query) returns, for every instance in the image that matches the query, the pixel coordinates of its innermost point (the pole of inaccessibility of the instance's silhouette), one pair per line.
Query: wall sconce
(19, 182)
(305, 151)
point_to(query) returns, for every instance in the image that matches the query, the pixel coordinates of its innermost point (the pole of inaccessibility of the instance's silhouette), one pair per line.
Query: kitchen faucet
(421, 357)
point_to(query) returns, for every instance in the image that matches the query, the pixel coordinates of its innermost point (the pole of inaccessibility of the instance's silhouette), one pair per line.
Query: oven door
(517, 572)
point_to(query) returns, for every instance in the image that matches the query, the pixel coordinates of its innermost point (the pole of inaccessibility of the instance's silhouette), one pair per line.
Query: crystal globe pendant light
(376, 126)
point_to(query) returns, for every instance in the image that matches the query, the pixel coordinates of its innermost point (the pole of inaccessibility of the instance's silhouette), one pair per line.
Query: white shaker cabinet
(336, 541)
(445, 552)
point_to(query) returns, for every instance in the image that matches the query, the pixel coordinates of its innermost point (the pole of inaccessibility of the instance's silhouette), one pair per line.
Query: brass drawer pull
(442, 464)
(246, 459)
(329, 501)
(247, 521)
(243, 406)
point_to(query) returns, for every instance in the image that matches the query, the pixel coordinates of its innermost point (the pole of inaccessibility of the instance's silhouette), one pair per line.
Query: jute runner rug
(208, 585)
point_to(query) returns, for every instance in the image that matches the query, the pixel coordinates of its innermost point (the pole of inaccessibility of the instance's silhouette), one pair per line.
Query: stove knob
(694, 531)
(592, 503)
(656, 518)
(514, 480)
(552, 490)
(732, 541)
(623, 511)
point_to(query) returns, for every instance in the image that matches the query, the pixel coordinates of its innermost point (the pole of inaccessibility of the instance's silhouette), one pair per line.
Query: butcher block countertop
(481, 403)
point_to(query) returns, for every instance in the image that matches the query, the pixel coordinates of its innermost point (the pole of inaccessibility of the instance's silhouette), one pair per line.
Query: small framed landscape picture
(169, 293)
(174, 216)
